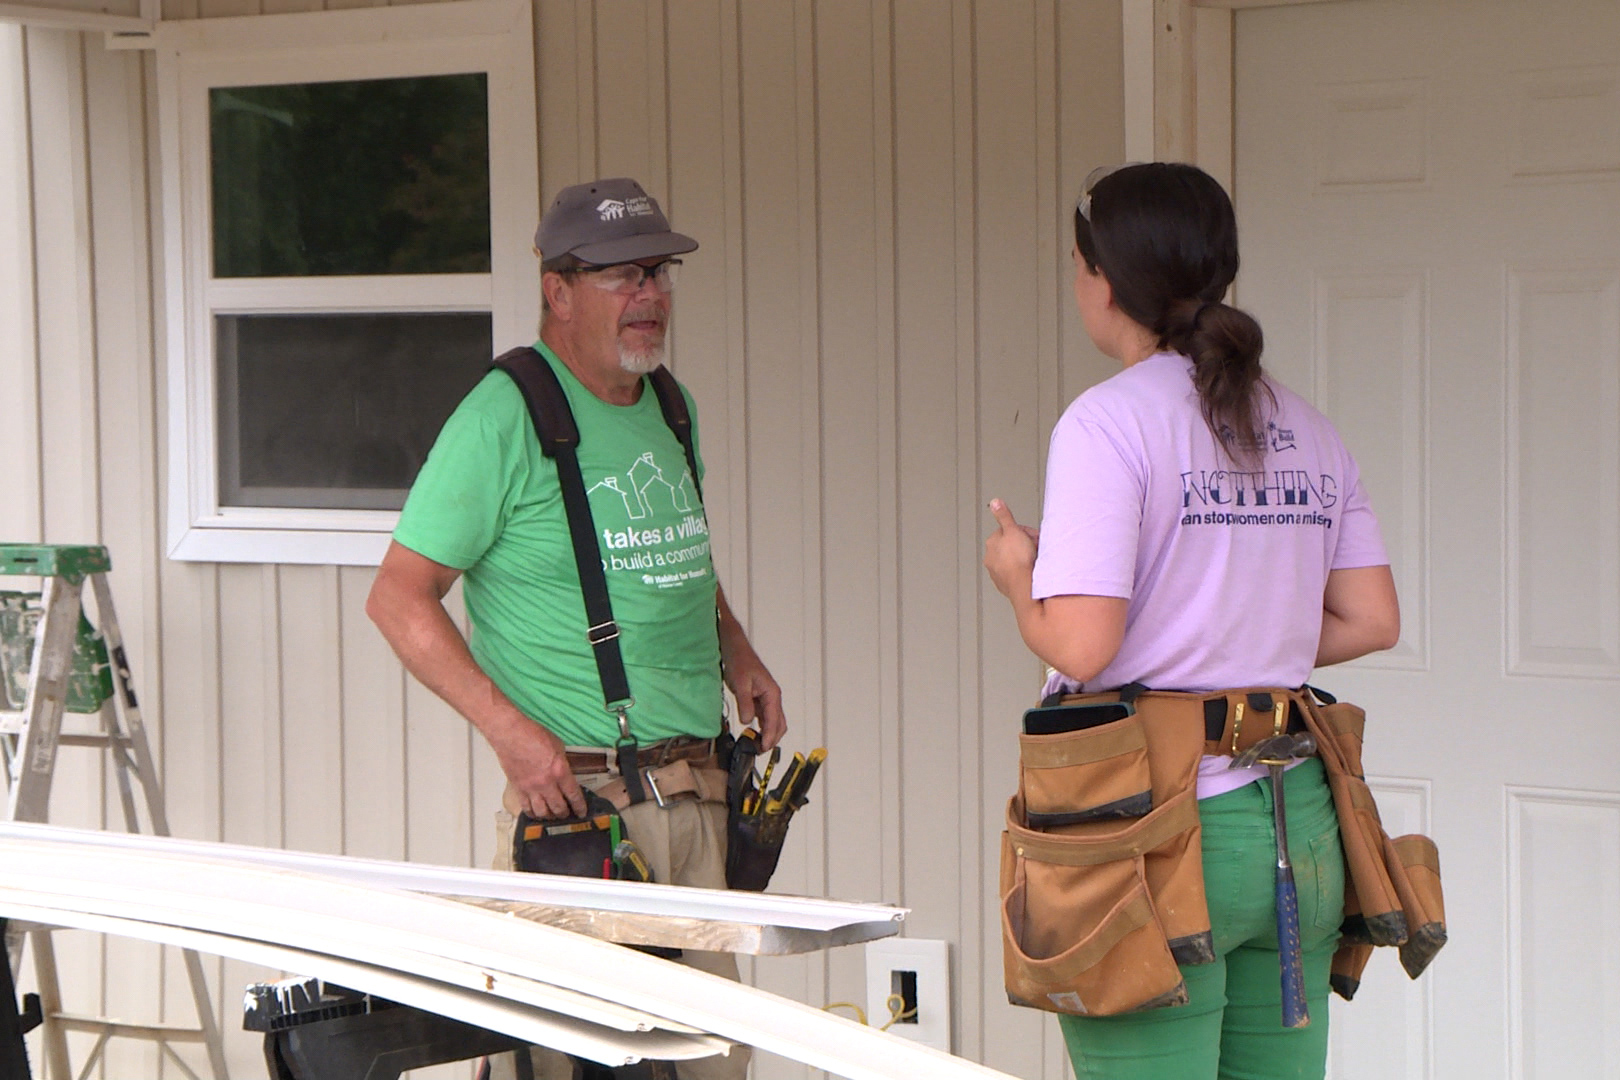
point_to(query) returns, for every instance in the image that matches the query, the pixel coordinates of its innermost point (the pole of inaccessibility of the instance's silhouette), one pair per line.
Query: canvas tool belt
(1097, 915)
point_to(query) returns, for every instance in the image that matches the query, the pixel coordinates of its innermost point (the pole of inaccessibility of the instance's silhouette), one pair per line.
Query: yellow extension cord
(894, 1003)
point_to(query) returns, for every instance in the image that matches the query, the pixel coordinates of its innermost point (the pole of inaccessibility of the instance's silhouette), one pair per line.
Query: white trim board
(223, 896)
(779, 924)
(568, 1033)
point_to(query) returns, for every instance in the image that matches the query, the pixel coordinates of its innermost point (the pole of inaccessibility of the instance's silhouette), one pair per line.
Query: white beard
(642, 362)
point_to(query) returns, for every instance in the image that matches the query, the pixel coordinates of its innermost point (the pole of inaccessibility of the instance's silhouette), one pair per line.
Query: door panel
(1429, 193)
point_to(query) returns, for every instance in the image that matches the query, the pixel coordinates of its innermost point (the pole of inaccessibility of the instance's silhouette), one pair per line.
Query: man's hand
(535, 762)
(1009, 554)
(759, 699)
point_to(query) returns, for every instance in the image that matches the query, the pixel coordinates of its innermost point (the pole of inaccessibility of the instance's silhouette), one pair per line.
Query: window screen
(338, 410)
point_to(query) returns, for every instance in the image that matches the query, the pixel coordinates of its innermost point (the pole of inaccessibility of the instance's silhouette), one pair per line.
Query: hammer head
(1277, 750)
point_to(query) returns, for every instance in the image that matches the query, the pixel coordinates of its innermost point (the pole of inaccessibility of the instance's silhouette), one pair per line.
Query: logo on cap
(614, 209)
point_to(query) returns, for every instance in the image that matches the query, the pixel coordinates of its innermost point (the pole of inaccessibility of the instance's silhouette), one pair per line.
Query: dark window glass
(381, 176)
(338, 411)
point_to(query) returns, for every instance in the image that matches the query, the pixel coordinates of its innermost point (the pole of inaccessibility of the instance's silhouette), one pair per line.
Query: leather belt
(680, 748)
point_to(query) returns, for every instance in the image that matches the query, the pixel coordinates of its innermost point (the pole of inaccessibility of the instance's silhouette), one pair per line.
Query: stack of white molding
(392, 929)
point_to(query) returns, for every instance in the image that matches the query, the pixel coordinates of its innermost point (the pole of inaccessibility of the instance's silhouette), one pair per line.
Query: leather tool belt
(1098, 915)
(671, 769)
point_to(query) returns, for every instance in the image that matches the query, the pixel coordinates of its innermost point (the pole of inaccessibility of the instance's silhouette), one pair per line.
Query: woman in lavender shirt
(1204, 528)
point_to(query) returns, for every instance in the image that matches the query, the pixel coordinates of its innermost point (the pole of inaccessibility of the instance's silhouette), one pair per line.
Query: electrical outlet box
(920, 972)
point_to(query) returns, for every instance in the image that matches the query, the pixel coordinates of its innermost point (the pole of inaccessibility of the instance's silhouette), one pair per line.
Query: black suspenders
(558, 434)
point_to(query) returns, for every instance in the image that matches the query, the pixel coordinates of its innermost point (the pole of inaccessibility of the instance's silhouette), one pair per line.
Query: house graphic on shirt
(648, 482)
(641, 488)
(632, 510)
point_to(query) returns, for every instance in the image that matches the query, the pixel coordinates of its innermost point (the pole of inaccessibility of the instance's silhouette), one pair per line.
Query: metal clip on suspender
(558, 435)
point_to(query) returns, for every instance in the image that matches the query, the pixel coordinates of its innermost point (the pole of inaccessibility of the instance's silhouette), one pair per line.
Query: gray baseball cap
(608, 221)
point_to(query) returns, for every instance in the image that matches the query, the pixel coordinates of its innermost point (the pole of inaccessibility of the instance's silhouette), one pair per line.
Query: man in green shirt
(487, 508)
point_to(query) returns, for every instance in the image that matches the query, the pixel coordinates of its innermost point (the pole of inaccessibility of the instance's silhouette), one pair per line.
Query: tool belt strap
(704, 780)
(583, 761)
(1233, 720)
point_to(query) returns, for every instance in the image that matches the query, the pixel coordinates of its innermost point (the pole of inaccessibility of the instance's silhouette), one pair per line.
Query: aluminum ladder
(52, 661)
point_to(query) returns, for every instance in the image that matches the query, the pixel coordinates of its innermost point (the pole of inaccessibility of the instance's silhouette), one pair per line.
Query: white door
(1429, 199)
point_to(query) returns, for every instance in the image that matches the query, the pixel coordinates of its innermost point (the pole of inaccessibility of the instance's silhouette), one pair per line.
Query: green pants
(1231, 1028)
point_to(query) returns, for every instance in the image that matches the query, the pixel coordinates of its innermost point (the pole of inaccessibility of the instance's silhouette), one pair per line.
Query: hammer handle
(1295, 1014)
(1290, 952)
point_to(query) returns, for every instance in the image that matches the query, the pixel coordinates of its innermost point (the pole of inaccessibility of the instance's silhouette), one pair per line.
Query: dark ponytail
(1165, 237)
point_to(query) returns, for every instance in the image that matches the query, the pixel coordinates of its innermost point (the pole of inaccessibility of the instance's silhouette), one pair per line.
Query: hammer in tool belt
(1275, 753)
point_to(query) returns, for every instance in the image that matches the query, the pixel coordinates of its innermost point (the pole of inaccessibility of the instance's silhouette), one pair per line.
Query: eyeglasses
(1082, 205)
(627, 278)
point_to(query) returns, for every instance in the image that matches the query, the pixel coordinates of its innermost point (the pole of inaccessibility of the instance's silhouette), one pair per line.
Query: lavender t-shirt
(1224, 567)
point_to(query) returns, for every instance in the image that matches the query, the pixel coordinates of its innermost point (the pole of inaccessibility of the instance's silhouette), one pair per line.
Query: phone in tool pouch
(1057, 719)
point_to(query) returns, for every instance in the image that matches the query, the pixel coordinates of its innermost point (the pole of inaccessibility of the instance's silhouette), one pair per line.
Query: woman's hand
(1077, 635)
(1009, 553)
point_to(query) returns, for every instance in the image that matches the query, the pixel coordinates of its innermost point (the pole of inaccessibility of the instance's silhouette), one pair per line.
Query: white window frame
(490, 36)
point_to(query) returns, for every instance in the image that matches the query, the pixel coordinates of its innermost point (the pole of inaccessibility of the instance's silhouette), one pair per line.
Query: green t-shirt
(487, 502)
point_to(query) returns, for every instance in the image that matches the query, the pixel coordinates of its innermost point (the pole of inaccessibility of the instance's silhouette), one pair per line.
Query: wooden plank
(1175, 81)
(22, 511)
(805, 922)
(1212, 66)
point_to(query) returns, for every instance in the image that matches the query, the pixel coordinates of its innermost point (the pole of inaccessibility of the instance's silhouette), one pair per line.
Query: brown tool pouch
(1080, 933)
(1090, 775)
(1100, 904)
(1421, 899)
(1344, 976)
(1392, 887)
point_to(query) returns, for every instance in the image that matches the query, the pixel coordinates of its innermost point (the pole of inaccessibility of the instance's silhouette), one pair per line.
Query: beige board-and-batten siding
(878, 334)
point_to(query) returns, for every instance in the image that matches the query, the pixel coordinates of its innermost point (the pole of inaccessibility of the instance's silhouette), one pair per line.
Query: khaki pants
(685, 844)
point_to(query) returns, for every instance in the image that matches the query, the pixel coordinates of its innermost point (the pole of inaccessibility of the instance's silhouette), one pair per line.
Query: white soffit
(318, 914)
(755, 923)
(110, 15)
